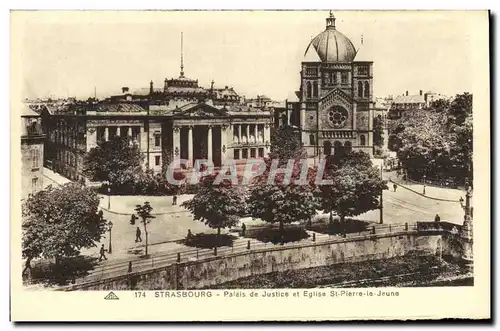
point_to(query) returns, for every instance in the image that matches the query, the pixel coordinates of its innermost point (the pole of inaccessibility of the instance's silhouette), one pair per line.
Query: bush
(205, 240)
(272, 234)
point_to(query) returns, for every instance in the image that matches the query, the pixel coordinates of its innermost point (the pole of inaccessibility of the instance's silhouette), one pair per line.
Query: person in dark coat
(437, 218)
(138, 235)
(101, 252)
(394, 186)
(243, 229)
(132, 219)
(174, 200)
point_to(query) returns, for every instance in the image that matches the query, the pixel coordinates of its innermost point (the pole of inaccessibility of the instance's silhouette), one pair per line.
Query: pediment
(336, 97)
(201, 111)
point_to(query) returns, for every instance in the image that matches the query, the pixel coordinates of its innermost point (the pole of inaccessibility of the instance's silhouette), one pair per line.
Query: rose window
(338, 116)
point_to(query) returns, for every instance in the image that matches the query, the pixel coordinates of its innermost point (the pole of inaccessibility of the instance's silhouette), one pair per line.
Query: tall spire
(330, 21)
(182, 55)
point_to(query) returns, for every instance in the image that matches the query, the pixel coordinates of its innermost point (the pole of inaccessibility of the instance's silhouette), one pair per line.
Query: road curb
(425, 196)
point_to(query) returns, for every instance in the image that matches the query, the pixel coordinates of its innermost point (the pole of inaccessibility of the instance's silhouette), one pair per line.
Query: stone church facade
(336, 95)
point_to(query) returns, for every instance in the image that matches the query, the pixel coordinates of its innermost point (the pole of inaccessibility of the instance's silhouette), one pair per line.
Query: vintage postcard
(250, 165)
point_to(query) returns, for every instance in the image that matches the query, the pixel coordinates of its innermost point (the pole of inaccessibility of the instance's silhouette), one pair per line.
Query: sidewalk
(431, 192)
(52, 178)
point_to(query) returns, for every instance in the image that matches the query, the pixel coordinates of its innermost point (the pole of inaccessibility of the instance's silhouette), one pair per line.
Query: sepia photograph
(223, 155)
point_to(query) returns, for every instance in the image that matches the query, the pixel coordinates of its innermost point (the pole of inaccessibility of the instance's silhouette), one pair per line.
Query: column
(129, 131)
(240, 127)
(267, 136)
(222, 143)
(190, 146)
(248, 132)
(256, 132)
(176, 143)
(354, 116)
(209, 143)
(106, 134)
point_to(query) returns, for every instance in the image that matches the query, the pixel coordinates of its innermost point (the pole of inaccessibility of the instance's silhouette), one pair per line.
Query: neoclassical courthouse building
(182, 120)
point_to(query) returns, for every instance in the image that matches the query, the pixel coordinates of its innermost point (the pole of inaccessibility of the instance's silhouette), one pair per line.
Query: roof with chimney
(409, 99)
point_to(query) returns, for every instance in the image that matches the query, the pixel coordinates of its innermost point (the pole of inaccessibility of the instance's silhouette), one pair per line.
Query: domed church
(335, 96)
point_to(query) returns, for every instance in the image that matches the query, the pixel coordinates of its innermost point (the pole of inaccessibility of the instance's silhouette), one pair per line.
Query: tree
(355, 188)
(285, 144)
(440, 105)
(218, 205)
(144, 212)
(60, 221)
(284, 202)
(460, 109)
(114, 161)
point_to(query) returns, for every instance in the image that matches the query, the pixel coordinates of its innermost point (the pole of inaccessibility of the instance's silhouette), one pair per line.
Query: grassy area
(411, 270)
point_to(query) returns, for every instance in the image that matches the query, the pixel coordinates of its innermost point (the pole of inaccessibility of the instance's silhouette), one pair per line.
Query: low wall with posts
(424, 240)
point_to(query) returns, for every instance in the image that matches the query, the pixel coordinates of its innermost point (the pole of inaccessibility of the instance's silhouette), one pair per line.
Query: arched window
(338, 149)
(327, 148)
(360, 89)
(367, 90)
(308, 89)
(362, 140)
(312, 140)
(315, 89)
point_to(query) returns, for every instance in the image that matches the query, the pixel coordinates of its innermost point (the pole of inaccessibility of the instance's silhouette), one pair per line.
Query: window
(244, 153)
(34, 184)
(360, 89)
(362, 140)
(252, 153)
(315, 89)
(309, 89)
(236, 154)
(157, 160)
(343, 77)
(157, 141)
(363, 70)
(35, 158)
(312, 140)
(261, 152)
(367, 90)
(311, 72)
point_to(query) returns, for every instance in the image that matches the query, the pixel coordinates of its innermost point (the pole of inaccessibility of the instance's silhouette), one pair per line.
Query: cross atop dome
(330, 21)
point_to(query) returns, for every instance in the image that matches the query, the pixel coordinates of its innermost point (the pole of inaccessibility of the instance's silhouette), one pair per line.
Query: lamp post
(381, 198)
(110, 226)
(109, 197)
(424, 184)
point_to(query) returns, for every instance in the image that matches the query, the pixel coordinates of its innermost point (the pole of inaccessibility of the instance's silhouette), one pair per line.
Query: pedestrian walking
(138, 235)
(132, 219)
(101, 252)
(437, 218)
(394, 186)
(243, 229)
(174, 200)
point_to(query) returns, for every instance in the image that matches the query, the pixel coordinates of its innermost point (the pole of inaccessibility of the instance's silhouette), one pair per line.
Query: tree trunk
(218, 231)
(281, 230)
(342, 224)
(146, 233)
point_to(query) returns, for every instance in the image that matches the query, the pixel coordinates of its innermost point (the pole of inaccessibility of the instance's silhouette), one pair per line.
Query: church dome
(331, 45)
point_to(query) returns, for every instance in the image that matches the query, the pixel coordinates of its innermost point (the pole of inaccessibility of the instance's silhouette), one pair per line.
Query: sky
(71, 53)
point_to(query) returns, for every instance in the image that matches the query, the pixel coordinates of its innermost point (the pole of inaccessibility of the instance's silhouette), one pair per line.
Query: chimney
(406, 93)
(420, 92)
(124, 89)
(151, 89)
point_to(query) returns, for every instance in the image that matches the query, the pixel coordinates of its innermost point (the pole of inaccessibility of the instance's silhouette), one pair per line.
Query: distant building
(32, 150)
(405, 102)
